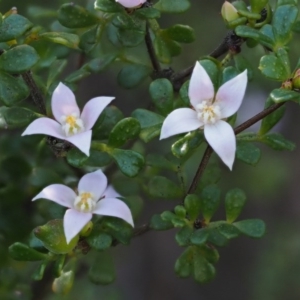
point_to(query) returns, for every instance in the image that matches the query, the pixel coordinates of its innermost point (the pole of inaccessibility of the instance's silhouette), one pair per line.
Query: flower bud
(287, 85)
(229, 12)
(296, 79)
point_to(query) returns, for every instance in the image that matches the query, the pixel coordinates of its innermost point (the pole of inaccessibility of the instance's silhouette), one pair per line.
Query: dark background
(266, 269)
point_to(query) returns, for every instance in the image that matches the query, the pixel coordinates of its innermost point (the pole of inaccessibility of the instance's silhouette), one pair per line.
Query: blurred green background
(266, 269)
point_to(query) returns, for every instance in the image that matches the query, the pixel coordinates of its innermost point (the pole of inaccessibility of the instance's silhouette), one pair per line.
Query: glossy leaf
(72, 15)
(53, 237)
(99, 240)
(277, 142)
(180, 33)
(254, 228)
(248, 153)
(132, 75)
(161, 92)
(199, 236)
(160, 161)
(283, 95)
(235, 201)
(258, 5)
(192, 204)
(210, 200)
(161, 187)
(108, 6)
(64, 38)
(157, 223)
(182, 237)
(124, 130)
(22, 252)
(13, 27)
(129, 162)
(12, 89)
(172, 6)
(18, 59)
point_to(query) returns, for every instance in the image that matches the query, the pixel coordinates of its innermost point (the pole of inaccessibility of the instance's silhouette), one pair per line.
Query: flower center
(208, 113)
(84, 202)
(72, 124)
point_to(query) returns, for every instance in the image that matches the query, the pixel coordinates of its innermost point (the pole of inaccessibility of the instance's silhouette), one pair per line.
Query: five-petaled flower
(93, 197)
(208, 111)
(131, 3)
(70, 125)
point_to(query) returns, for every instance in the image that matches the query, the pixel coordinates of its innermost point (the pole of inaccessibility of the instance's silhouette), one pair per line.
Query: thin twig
(35, 92)
(151, 51)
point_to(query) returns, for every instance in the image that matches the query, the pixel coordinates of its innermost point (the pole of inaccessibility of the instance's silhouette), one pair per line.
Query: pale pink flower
(131, 3)
(209, 110)
(70, 125)
(93, 197)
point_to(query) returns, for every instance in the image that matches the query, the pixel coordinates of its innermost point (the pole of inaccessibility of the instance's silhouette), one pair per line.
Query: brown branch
(35, 92)
(208, 152)
(151, 51)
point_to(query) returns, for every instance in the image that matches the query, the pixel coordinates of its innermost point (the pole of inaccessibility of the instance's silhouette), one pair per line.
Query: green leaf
(199, 236)
(235, 201)
(18, 59)
(283, 95)
(248, 153)
(217, 238)
(180, 33)
(22, 252)
(188, 143)
(254, 228)
(99, 64)
(13, 27)
(157, 223)
(132, 75)
(229, 73)
(39, 272)
(210, 201)
(129, 162)
(53, 237)
(108, 6)
(102, 270)
(272, 119)
(108, 119)
(64, 38)
(161, 187)
(175, 220)
(192, 204)
(273, 68)
(124, 130)
(99, 240)
(58, 265)
(161, 92)
(12, 89)
(118, 229)
(91, 38)
(283, 20)
(63, 284)
(182, 237)
(229, 231)
(277, 142)
(258, 5)
(71, 15)
(196, 261)
(77, 75)
(159, 161)
(212, 70)
(16, 117)
(148, 13)
(150, 123)
(248, 32)
(242, 64)
(55, 70)
(172, 6)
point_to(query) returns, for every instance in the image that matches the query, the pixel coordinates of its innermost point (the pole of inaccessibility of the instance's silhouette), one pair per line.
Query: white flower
(208, 111)
(131, 3)
(70, 125)
(93, 197)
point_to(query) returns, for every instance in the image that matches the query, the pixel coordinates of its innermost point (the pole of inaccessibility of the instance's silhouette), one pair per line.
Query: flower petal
(114, 208)
(230, 95)
(74, 221)
(93, 109)
(179, 121)
(110, 192)
(58, 193)
(95, 183)
(221, 138)
(63, 102)
(131, 3)
(45, 126)
(82, 141)
(201, 87)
